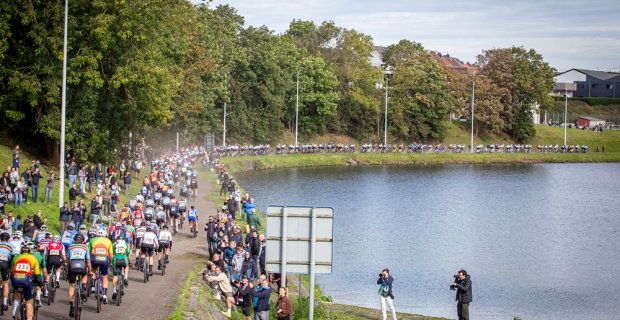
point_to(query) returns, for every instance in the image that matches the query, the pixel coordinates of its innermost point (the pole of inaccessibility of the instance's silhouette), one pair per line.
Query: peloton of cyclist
(26, 274)
(101, 254)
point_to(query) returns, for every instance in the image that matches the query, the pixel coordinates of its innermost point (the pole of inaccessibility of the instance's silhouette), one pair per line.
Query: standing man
(127, 182)
(35, 178)
(464, 296)
(73, 193)
(72, 172)
(385, 293)
(95, 208)
(106, 194)
(65, 216)
(48, 189)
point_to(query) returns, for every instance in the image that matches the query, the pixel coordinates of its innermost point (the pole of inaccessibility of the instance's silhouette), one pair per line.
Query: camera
(456, 280)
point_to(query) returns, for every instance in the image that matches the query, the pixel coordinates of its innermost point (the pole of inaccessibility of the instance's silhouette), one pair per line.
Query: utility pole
(297, 109)
(386, 109)
(224, 132)
(565, 113)
(61, 195)
(473, 95)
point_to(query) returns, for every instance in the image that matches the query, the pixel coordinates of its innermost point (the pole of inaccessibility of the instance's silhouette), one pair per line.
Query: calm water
(540, 241)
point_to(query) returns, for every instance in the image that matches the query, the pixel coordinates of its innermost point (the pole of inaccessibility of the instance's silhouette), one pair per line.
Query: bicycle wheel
(119, 290)
(98, 291)
(1, 306)
(145, 268)
(22, 310)
(162, 263)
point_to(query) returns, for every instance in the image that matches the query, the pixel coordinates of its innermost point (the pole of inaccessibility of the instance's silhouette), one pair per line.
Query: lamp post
(473, 96)
(224, 131)
(61, 195)
(386, 105)
(297, 110)
(565, 112)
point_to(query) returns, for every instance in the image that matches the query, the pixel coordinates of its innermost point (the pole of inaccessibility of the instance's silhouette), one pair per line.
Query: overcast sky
(568, 33)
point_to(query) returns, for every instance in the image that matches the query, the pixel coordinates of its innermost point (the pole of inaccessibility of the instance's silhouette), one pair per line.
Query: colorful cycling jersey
(100, 248)
(67, 238)
(149, 239)
(40, 236)
(182, 206)
(137, 222)
(78, 251)
(192, 214)
(131, 231)
(161, 215)
(165, 235)
(45, 242)
(55, 249)
(25, 265)
(121, 249)
(16, 244)
(140, 232)
(6, 251)
(40, 259)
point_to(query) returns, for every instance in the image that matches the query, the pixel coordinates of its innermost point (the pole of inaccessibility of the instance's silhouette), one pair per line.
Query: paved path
(157, 298)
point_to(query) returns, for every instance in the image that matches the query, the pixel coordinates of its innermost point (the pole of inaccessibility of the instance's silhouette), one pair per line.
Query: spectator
(284, 306)
(262, 293)
(254, 220)
(95, 208)
(249, 268)
(65, 216)
(82, 174)
(245, 297)
(127, 182)
(38, 221)
(48, 188)
(90, 178)
(463, 294)
(83, 211)
(28, 229)
(26, 175)
(35, 178)
(262, 257)
(106, 195)
(73, 192)
(237, 263)
(16, 157)
(385, 293)
(247, 208)
(99, 173)
(19, 192)
(76, 214)
(14, 178)
(225, 288)
(72, 172)
(255, 246)
(7, 222)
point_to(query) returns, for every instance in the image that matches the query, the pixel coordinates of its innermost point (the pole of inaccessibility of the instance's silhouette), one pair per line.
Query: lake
(540, 241)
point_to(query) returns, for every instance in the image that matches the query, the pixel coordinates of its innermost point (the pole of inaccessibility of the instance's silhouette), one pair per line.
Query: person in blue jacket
(261, 299)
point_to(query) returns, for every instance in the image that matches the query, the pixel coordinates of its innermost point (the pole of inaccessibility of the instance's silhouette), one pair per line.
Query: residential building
(589, 83)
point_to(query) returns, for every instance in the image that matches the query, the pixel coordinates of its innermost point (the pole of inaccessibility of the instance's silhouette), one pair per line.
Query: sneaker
(92, 290)
(226, 314)
(71, 312)
(126, 282)
(114, 296)
(37, 303)
(84, 298)
(57, 284)
(104, 299)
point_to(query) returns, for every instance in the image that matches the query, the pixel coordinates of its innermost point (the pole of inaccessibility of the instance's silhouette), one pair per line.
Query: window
(610, 86)
(594, 85)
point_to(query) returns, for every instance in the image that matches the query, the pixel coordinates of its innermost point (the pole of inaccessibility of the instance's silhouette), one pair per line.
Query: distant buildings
(587, 83)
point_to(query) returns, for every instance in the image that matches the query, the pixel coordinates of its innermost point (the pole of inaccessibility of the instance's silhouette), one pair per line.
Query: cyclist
(79, 265)
(160, 217)
(38, 253)
(192, 219)
(55, 255)
(41, 234)
(120, 260)
(193, 184)
(165, 244)
(6, 251)
(67, 236)
(46, 240)
(101, 254)
(25, 275)
(17, 242)
(138, 238)
(148, 244)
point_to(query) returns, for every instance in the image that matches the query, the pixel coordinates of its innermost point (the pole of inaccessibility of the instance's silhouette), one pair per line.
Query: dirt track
(157, 298)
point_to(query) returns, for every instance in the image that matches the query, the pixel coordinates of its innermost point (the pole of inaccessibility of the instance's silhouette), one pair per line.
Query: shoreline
(249, 163)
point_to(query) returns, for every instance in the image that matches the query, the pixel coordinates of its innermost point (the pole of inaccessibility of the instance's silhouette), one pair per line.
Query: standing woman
(19, 192)
(285, 306)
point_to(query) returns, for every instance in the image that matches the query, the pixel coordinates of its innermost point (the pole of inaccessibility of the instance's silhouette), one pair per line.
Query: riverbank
(240, 164)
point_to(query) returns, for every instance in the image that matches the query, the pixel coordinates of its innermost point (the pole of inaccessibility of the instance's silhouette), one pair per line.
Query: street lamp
(565, 112)
(473, 96)
(297, 110)
(386, 74)
(61, 194)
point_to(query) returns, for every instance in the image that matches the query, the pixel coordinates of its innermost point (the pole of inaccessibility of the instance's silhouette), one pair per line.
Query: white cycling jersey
(149, 238)
(165, 235)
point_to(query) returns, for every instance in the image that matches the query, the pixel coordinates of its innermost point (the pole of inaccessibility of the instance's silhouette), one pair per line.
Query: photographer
(462, 284)
(385, 293)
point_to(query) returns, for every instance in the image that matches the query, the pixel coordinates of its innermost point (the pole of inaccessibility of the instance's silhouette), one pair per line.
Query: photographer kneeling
(385, 293)
(462, 285)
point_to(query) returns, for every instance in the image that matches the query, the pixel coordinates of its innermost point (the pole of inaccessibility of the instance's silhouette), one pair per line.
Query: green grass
(51, 212)
(179, 311)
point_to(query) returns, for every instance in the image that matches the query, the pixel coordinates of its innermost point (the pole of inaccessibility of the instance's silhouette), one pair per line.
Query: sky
(569, 33)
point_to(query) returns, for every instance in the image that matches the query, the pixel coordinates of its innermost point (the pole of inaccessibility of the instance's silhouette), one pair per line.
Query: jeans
(72, 180)
(48, 196)
(462, 309)
(19, 199)
(82, 185)
(35, 192)
(387, 301)
(63, 226)
(94, 218)
(106, 207)
(261, 315)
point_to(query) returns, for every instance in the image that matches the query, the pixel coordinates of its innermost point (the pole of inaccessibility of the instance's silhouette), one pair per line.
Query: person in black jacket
(245, 297)
(385, 292)
(463, 294)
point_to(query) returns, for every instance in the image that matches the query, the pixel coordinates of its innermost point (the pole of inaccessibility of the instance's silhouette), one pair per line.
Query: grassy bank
(240, 164)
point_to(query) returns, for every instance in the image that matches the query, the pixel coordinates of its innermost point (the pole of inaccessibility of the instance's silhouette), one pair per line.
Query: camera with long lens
(456, 280)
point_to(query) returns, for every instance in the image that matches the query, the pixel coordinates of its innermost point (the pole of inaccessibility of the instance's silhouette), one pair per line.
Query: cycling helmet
(71, 226)
(43, 228)
(101, 233)
(149, 228)
(79, 238)
(48, 235)
(30, 245)
(118, 224)
(55, 238)
(165, 227)
(26, 249)
(82, 227)
(16, 234)
(5, 236)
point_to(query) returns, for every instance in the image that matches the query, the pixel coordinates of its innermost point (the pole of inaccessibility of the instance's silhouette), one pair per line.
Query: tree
(420, 97)
(523, 80)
